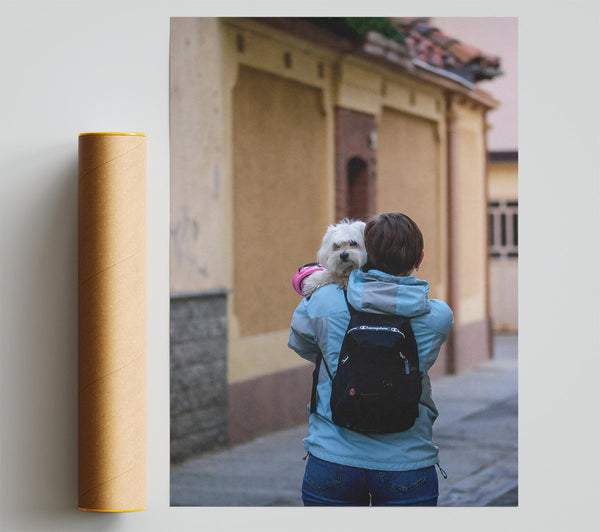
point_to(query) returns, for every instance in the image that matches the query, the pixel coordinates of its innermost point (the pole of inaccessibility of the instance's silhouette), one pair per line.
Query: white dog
(342, 250)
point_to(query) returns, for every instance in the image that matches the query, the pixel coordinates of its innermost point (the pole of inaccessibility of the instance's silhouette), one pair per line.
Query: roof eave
(383, 51)
(449, 82)
(389, 53)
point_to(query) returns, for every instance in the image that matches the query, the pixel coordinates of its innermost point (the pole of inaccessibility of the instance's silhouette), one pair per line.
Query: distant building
(279, 127)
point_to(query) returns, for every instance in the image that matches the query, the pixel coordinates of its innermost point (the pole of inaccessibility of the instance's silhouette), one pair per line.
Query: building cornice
(382, 51)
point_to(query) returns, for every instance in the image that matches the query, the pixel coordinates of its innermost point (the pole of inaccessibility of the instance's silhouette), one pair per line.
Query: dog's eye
(354, 243)
(336, 247)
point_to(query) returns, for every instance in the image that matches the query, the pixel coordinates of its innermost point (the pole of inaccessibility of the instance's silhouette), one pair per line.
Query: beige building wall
(412, 176)
(279, 139)
(504, 308)
(253, 189)
(407, 181)
(472, 218)
(503, 180)
(504, 270)
(278, 105)
(279, 187)
(411, 153)
(411, 159)
(200, 257)
(468, 227)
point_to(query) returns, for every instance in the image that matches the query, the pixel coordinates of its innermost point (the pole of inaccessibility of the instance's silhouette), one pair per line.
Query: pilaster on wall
(470, 341)
(200, 255)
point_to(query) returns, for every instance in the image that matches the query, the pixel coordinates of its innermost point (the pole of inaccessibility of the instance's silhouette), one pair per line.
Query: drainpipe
(488, 316)
(453, 230)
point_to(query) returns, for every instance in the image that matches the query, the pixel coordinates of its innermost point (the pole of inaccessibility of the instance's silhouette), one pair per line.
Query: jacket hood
(380, 293)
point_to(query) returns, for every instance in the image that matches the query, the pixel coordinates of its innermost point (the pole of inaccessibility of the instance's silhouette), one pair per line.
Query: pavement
(476, 432)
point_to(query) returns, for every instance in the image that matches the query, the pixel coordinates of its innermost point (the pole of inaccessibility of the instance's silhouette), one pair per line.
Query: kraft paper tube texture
(112, 322)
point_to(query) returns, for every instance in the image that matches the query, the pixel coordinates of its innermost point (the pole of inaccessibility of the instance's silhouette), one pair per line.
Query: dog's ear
(358, 230)
(325, 245)
(322, 253)
(360, 225)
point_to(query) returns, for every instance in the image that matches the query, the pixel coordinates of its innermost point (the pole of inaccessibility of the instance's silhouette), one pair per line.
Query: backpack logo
(376, 329)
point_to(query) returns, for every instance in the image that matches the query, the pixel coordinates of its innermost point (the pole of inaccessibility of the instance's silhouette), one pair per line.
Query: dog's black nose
(344, 256)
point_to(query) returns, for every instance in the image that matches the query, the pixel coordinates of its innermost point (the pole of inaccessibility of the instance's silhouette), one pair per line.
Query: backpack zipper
(374, 328)
(388, 329)
(406, 366)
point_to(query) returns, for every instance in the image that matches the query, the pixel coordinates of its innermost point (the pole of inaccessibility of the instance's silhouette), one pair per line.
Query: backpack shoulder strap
(351, 309)
(315, 381)
(315, 374)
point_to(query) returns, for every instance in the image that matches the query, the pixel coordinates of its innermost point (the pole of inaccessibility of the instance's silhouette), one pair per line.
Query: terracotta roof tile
(410, 41)
(439, 38)
(430, 45)
(450, 62)
(436, 57)
(464, 52)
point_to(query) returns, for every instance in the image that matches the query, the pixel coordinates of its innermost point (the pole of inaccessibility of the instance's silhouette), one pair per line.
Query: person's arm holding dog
(302, 338)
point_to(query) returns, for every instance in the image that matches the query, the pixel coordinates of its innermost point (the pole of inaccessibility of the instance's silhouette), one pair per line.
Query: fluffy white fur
(342, 250)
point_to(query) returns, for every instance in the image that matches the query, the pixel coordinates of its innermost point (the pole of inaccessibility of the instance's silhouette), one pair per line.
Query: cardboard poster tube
(112, 322)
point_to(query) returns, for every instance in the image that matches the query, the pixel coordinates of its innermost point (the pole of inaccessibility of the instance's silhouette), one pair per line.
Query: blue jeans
(331, 484)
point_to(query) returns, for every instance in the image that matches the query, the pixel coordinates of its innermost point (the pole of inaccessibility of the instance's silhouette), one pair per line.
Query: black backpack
(377, 385)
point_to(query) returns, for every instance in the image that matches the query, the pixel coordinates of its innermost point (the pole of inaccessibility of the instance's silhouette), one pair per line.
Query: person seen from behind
(350, 468)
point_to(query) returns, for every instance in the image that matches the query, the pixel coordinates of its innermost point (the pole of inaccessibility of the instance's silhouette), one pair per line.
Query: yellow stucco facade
(280, 119)
(411, 180)
(301, 196)
(469, 213)
(200, 257)
(262, 175)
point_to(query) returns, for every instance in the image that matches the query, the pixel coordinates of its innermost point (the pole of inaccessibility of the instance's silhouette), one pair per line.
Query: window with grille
(503, 229)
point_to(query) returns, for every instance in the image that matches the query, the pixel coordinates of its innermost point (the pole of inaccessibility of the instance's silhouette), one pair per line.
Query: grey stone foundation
(198, 374)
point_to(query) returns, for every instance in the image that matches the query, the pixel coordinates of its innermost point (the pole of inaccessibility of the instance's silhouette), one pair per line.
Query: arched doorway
(358, 189)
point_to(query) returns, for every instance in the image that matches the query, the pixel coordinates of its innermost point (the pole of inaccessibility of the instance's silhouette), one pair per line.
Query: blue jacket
(319, 324)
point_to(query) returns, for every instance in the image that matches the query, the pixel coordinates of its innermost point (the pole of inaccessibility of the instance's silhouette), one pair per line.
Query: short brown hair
(394, 243)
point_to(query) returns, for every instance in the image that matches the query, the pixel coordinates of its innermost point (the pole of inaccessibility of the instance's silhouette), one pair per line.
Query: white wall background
(69, 67)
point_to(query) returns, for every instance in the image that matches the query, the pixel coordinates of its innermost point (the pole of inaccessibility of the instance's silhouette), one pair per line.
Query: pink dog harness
(303, 273)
